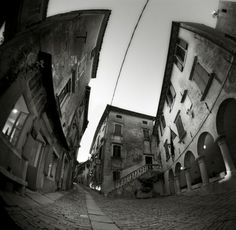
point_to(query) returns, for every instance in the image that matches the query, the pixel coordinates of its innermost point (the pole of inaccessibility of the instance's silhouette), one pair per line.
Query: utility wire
(127, 49)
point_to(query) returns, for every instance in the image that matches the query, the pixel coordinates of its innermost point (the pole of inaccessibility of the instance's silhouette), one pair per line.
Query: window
(64, 91)
(116, 175)
(163, 122)
(146, 134)
(73, 81)
(145, 122)
(202, 78)
(2, 29)
(117, 131)
(15, 121)
(170, 95)
(116, 151)
(161, 130)
(119, 116)
(167, 150)
(179, 125)
(180, 53)
(147, 148)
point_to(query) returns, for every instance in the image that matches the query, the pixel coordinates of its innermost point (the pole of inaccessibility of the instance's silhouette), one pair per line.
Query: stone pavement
(82, 208)
(98, 219)
(55, 211)
(211, 212)
(75, 209)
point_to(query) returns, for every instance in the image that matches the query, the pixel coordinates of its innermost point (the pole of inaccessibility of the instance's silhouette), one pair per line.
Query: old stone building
(45, 67)
(121, 148)
(195, 123)
(82, 173)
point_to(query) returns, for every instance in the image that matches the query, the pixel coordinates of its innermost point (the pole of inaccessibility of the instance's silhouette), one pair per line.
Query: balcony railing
(135, 174)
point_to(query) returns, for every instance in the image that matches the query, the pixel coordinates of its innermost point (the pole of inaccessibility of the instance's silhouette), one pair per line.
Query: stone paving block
(98, 218)
(104, 226)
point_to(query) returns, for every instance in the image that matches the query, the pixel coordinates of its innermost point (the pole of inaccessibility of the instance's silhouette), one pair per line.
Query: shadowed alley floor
(85, 209)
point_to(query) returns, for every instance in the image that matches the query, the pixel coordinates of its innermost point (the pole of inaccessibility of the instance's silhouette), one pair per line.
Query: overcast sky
(141, 78)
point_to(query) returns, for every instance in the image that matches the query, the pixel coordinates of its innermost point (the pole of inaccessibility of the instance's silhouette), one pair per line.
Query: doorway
(148, 160)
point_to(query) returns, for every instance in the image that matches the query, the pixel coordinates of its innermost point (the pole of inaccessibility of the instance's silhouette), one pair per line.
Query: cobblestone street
(73, 210)
(209, 212)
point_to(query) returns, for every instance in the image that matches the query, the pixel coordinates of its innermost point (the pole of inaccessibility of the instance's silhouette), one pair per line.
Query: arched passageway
(191, 165)
(212, 155)
(171, 182)
(226, 124)
(179, 173)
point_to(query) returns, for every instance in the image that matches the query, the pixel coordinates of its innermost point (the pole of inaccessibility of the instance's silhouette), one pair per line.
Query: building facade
(82, 173)
(195, 122)
(121, 145)
(44, 76)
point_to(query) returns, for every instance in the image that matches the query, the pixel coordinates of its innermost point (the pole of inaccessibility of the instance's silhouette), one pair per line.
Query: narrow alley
(118, 115)
(82, 208)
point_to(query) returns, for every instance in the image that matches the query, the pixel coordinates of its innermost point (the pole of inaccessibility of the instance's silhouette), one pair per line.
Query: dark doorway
(148, 160)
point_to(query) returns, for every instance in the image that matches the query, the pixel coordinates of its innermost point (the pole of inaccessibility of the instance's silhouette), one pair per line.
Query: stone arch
(212, 155)
(226, 124)
(171, 182)
(179, 172)
(191, 164)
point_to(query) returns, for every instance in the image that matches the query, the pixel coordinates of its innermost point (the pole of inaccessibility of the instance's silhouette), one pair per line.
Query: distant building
(82, 173)
(121, 145)
(195, 123)
(45, 68)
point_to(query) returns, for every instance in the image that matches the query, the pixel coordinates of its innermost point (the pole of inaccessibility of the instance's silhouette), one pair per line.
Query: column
(177, 185)
(167, 187)
(203, 170)
(229, 164)
(188, 178)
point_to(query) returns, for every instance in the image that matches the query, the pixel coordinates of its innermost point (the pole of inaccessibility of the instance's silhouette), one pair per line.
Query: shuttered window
(170, 95)
(163, 121)
(167, 150)
(64, 92)
(146, 134)
(116, 151)
(180, 53)
(201, 77)
(180, 128)
(117, 131)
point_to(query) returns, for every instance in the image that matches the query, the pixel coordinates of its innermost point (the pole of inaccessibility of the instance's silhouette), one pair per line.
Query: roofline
(202, 30)
(169, 66)
(110, 108)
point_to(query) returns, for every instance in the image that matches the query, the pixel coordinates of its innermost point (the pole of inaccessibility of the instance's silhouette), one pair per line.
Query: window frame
(146, 134)
(14, 127)
(170, 102)
(167, 151)
(121, 132)
(162, 121)
(183, 45)
(113, 151)
(65, 91)
(180, 133)
(210, 77)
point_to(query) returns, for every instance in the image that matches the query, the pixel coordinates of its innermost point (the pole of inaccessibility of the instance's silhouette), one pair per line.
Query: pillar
(177, 185)
(167, 187)
(229, 164)
(188, 178)
(203, 170)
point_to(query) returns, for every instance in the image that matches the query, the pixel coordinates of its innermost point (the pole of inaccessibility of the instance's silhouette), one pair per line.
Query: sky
(141, 78)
